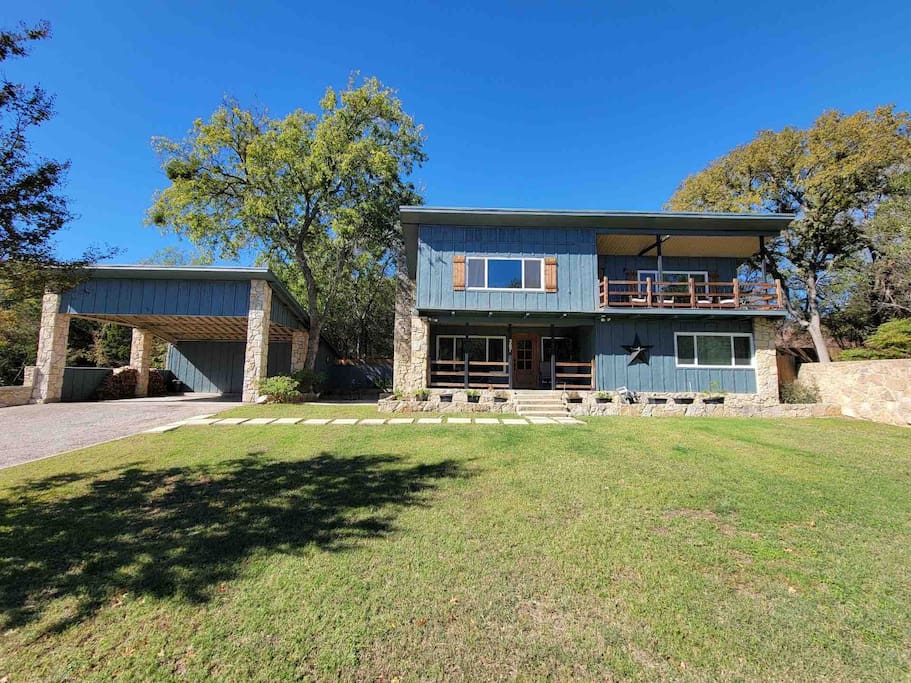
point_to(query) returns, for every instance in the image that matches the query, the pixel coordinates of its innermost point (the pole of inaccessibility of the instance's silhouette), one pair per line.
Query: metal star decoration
(638, 352)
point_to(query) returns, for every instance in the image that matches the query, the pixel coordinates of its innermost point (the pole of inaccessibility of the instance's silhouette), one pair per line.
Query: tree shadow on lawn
(183, 530)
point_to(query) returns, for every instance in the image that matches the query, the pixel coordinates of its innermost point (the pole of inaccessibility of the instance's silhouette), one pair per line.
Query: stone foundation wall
(459, 404)
(707, 410)
(15, 395)
(877, 390)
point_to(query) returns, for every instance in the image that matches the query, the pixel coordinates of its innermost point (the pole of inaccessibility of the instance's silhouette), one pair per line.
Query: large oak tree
(832, 175)
(314, 190)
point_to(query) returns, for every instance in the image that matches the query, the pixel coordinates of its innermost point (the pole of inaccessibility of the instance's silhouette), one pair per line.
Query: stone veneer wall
(141, 359)
(299, 341)
(877, 390)
(15, 395)
(53, 333)
(256, 355)
(401, 342)
(766, 360)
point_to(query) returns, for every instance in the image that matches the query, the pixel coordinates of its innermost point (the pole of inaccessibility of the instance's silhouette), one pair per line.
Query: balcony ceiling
(679, 245)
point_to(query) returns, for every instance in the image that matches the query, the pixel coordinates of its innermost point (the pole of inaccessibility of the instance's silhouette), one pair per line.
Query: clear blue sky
(562, 105)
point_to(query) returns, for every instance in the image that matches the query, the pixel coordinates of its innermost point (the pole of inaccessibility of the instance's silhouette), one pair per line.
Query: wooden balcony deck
(734, 294)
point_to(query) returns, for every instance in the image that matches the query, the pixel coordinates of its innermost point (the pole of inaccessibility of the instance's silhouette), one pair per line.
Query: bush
(157, 386)
(280, 389)
(798, 392)
(118, 385)
(309, 381)
(891, 340)
(422, 394)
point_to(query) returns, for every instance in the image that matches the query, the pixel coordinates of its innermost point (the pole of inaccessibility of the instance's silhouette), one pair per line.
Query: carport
(227, 327)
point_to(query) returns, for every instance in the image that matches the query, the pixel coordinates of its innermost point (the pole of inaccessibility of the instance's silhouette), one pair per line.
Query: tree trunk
(814, 322)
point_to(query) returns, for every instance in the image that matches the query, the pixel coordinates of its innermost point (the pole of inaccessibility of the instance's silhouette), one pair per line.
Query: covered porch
(511, 354)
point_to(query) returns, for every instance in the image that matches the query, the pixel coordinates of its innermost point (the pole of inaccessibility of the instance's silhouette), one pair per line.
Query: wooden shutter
(550, 274)
(458, 272)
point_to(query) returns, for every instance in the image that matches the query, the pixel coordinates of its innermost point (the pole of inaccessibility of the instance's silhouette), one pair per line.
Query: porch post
(141, 359)
(553, 360)
(762, 255)
(509, 352)
(256, 354)
(660, 271)
(47, 386)
(465, 354)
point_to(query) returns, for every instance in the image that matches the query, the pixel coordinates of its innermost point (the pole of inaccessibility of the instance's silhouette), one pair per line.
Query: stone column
(52, 337)
(299, 340)
(256, 355)
(764, 330)
(404, 310)
(141, 359)
(420, 344)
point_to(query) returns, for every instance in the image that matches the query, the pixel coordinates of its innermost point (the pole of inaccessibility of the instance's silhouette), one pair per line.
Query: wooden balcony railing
(753, 296)
(574, 375)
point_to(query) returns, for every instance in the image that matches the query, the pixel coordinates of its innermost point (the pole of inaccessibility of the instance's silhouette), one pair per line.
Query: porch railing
(480, 374)
(574, 375)
(648, 293)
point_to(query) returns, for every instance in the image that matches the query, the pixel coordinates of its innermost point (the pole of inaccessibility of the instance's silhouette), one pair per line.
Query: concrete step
(544, 413)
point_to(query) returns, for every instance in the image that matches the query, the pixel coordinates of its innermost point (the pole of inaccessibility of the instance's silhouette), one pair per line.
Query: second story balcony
(690, 294)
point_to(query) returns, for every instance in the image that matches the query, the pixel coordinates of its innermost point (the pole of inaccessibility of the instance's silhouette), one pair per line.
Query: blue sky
(542, 105)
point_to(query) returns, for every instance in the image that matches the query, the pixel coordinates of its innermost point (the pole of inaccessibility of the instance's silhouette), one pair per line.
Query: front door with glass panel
(525, 361)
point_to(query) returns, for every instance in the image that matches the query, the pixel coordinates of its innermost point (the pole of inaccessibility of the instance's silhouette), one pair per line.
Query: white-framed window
(487, 272)
(713, 349)
(480, 348)
(700, 279)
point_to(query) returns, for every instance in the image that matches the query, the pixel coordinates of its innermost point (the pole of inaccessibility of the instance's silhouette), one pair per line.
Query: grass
(626, 549)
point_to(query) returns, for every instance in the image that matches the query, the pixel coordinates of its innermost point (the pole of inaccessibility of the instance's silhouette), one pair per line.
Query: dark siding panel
(576, 267)
(80, 384)
(209, 366)
(279, 359)
(661, 373)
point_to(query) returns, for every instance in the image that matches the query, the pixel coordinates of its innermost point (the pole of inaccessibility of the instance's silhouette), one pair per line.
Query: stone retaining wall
(459, 404)
(706, 410)
(15, 395)
(877, 390)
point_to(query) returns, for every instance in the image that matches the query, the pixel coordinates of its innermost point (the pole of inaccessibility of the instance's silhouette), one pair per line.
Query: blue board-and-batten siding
(225, 298)
(80, 384)
(661, 373)
(574, 250)
(209, 367)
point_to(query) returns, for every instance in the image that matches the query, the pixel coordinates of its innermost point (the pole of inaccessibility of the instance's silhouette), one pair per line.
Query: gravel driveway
(37, 431)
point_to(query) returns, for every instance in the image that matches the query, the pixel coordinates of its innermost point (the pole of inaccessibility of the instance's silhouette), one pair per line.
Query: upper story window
(504, 273)
(700, 279)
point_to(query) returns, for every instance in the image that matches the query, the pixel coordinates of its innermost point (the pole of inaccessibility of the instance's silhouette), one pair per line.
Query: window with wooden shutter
(550, 274)
(458, 272)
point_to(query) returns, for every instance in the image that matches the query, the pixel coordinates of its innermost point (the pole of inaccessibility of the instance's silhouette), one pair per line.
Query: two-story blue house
(587, 300)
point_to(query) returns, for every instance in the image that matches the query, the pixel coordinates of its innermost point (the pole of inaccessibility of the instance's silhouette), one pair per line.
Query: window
(480, 348)
(700, 279)
(504, 273)
(713, 350)
(562, 346)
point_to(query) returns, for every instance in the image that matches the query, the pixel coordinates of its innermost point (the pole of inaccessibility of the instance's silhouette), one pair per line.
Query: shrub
(799, 392)
(472, 393)
(118, 385)
(309, 381)
(280, 389)
(604, 396)
(157, 386)
(422, 394)
(891, 340)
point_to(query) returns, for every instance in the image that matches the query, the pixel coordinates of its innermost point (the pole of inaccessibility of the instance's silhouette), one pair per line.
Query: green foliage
(315, 190)
(472, 393)
(831, 175)
(799, 392)
(422, 394)
(716, 388)
(891, 340)
(309, 381)
(604, 396)
(280, 388)
(18, 337)
(112, 345)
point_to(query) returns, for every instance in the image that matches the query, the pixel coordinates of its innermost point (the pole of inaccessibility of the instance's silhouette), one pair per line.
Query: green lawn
(625, 549)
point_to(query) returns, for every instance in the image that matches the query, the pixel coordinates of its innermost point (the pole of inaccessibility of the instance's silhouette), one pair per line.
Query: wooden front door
(525, 361)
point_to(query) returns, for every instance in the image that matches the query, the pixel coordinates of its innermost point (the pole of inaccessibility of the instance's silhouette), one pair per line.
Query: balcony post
(779, 294)
(553, 360)
(736, 293)
(648, 292)
(509, 353)
(762, 256)
(465, 354)
(692, 293)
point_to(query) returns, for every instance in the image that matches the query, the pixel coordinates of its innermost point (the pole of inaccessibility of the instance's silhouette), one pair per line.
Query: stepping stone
(200, 417)
(287, 420)
(232, 421)
(163, 428)
(317, 421)
(200, 422)
(372, 421)
(260, 421)
(513, 421)
(458, 420)
(569, 421)
(345, 421)
(486, 421)
(541, 421)
(401, 420)
(430, 421)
